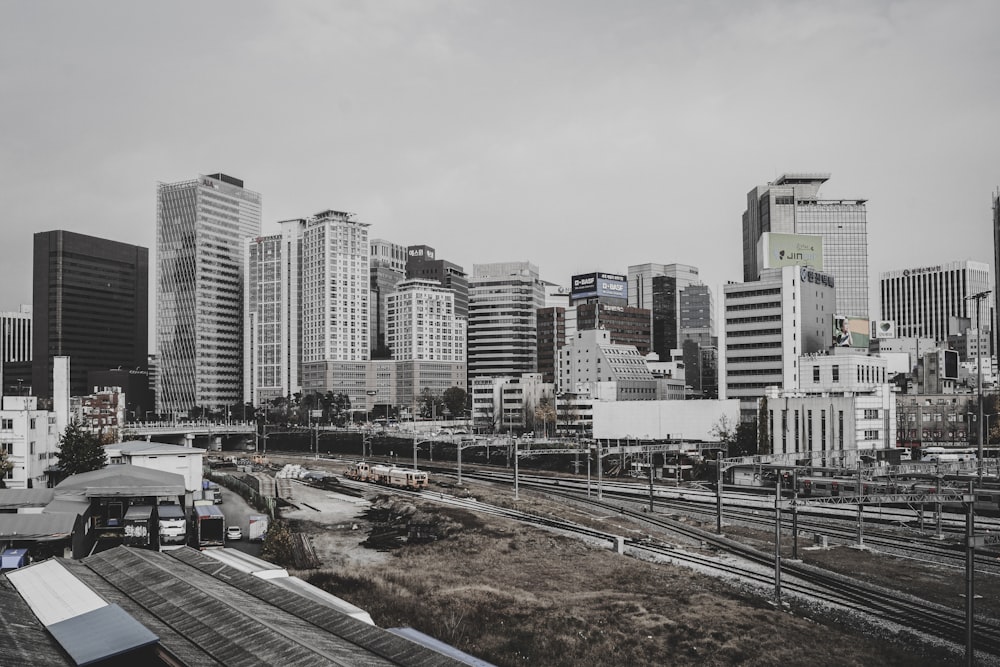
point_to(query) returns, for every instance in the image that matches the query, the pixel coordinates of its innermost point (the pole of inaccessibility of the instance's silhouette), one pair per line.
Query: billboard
(882, 329)
(600, 284)
(779, 250)
(950, 365)
(850, 331)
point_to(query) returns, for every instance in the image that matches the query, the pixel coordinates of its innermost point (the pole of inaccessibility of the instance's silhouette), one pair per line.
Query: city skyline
(575, 137)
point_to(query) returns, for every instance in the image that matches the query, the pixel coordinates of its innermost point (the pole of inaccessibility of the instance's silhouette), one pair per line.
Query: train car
(360, 471)
(843, 486)
(403, 478)
(408, 479)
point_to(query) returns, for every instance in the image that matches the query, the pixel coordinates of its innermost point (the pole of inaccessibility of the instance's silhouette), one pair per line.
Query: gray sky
(580, 136)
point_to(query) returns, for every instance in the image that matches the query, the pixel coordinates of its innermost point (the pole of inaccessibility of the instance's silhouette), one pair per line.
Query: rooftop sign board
(599, 284)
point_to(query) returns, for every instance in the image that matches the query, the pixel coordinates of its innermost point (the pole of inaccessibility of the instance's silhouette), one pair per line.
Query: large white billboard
(779, 250)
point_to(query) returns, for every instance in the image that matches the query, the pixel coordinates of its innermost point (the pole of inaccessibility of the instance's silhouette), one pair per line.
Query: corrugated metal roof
(101, 634)
(17, 498)
(397, 650)
(230, 625)
(36, 526)
(124, 480)
(307, 590)
(23, 640)
(53, 593)
(244, 562)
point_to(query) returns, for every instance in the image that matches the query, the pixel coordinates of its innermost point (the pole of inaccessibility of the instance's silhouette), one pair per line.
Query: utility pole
(976, 298)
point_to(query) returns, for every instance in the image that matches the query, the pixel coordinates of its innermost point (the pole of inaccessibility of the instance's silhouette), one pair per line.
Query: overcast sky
(580, 136)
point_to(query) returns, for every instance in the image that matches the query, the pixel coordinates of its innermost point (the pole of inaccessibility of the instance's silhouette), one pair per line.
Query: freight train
(403, 478)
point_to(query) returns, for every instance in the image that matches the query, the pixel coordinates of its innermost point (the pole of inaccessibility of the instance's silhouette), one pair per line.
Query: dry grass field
(516, 595)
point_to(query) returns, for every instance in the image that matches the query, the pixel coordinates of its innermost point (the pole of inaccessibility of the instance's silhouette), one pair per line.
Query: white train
(403, 478)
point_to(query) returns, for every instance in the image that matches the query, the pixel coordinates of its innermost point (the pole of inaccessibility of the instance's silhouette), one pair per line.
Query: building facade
(335, 289)
(922, 300)
(658, 289)
(422, 262)
(15, 351)
(591, 363)
(30, 438)
(90, 301)
(832, 429)
(504, 299)
(791, 205)
(551, 338)
(388, 268)
(770, 323)
(422, 324)
(625, 324)
(201, 225)
(272, 298)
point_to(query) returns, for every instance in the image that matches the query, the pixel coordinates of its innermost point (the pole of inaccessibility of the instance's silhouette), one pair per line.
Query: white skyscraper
(201, 225)
(272, 309)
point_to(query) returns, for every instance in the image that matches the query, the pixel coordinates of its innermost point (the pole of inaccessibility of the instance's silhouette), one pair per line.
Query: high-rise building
(770, 323)
(551, 338)
(336, 279)
(272, 297)
(504, 299)
(388, 268)
(427, 339)
(90, 303)
(15, 351)
(201, 225)
(697, 314)
(423, 325)
(921, 300)
(658, 289)
(791, 205)
(422, 262)
(626, 325)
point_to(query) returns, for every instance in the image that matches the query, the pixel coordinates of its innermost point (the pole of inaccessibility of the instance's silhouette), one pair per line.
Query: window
(815, 373)
(836, 373)
(6, 424)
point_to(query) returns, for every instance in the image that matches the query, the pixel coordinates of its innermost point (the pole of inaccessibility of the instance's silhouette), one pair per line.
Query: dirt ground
(516, 595)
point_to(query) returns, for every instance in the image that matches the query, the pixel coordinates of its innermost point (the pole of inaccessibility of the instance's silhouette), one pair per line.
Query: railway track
(808, 588)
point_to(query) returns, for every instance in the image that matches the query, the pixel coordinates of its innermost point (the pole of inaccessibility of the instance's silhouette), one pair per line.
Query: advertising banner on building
(882, 329)
(850, 331)
(779, 250)
(600, 284)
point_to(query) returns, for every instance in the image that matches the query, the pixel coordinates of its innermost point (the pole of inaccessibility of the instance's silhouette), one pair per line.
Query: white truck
(172, 526)
(257, 528)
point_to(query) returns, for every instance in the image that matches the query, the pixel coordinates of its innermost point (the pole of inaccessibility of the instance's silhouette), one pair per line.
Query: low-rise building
(30, 439)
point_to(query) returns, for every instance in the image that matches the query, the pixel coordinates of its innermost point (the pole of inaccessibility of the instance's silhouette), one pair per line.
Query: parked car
(234, 533)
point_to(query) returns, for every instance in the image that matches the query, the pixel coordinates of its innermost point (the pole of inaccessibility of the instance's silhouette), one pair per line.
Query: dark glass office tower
(89, 303)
